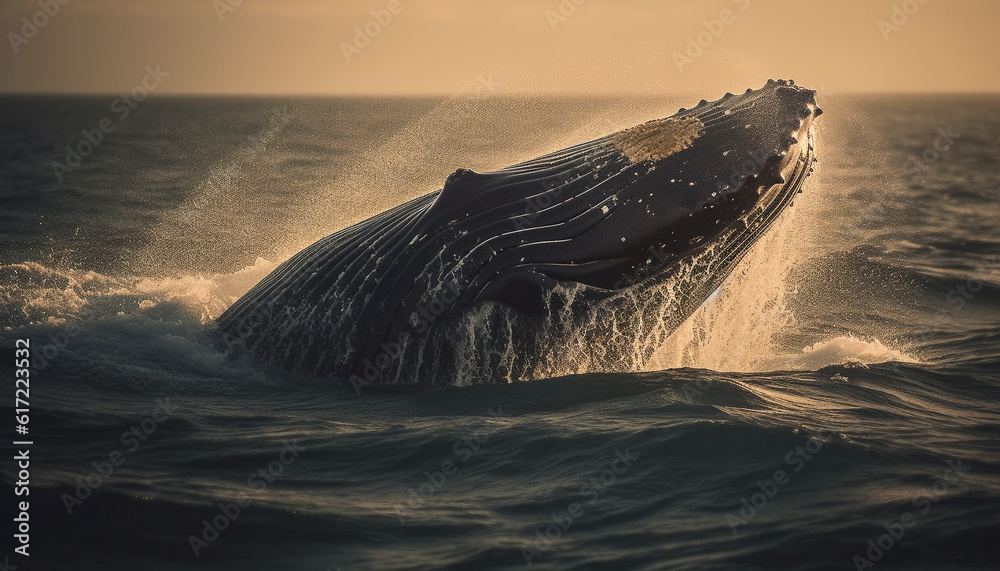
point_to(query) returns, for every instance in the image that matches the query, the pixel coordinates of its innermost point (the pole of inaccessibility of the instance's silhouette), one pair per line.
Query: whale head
(627, 209)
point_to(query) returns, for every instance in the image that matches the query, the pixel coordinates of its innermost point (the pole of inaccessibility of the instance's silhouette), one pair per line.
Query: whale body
(581, 260)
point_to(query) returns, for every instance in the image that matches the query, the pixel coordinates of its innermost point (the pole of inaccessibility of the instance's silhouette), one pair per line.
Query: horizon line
(432, 95)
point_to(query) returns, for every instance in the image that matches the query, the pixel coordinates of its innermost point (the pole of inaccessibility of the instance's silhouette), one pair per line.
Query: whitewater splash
(40, 295)
(739, 328)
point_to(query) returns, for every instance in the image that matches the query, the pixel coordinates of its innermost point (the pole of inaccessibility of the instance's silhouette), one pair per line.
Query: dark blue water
(841, 389)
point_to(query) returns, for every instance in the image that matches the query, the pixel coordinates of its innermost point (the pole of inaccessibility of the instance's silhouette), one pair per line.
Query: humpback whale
(581, 260)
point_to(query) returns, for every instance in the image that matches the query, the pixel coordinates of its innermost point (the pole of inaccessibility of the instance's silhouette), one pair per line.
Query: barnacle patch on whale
(658, 139)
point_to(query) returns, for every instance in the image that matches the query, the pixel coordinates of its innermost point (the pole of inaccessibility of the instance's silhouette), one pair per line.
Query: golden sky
(441, 47)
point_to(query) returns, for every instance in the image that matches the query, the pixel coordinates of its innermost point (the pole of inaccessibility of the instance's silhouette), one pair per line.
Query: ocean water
(833, 406)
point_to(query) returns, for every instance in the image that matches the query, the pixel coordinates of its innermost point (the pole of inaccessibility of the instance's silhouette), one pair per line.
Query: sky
(551, 47)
